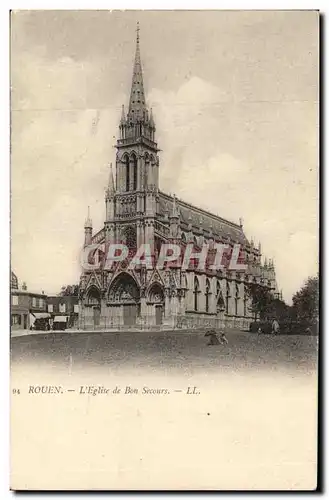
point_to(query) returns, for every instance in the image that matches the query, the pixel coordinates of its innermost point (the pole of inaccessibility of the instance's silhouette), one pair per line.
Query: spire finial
(175, 212)
(137, 31)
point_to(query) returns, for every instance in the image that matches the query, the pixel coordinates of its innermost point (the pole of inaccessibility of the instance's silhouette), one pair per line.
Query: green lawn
(174, 351)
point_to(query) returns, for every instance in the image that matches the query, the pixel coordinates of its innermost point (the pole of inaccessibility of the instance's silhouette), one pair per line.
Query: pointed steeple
(137, 124)
(137, 105)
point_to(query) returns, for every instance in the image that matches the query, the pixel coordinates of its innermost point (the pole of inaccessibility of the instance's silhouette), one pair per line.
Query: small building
(27, 307)
(63, 310)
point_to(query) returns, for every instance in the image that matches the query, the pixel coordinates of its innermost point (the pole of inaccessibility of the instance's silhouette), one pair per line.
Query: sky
(235, 100)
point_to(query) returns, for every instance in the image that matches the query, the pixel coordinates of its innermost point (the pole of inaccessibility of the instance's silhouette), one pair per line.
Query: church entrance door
(158, 314)
(129, 314)
(97, 316)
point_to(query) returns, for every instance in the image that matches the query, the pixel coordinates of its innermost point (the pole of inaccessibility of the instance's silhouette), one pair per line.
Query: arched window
(130, 237)
(236, 299)
(244, 300)
(208, 293)
(93, 297)
(227, 295)
(196, 293)
(219, 297)
(134, 162)
(127, 173)
(147, 166)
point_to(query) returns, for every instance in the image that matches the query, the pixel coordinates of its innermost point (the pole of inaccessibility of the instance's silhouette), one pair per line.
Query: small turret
(109, 197)
(189, 227)
(175, 211)
(123, 116)
(174, 219)
(110, 188)
(152, 124)
(211, 234)
(88, 229)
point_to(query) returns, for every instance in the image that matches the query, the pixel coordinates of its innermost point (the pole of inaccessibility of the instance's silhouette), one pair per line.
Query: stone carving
(124, 290)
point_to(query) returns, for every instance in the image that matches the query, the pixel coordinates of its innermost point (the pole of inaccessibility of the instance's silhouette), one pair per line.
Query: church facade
(138, 212)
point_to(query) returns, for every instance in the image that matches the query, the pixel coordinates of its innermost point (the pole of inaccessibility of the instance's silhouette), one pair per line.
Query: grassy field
(179, 352)
(252, 425)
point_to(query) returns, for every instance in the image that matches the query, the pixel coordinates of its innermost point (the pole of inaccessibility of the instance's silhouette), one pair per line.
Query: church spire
(137, 105)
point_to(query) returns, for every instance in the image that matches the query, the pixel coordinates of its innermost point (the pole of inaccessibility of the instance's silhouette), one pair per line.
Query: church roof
(199, 218)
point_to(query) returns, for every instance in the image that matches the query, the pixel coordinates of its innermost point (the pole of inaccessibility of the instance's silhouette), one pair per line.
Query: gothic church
(137, 212)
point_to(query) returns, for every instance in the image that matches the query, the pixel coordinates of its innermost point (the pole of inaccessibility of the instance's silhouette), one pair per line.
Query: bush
(286, 327)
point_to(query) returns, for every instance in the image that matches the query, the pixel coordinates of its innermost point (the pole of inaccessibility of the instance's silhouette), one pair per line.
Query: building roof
(28, 292)
(199, 218)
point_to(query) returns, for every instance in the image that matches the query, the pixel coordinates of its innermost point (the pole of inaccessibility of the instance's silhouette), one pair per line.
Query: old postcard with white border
(164, 258)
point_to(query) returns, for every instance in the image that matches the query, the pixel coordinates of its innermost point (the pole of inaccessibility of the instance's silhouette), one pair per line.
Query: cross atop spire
(137, 106)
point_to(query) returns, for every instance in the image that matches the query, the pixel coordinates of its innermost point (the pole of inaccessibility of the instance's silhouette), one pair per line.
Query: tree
(69, 290)
(263, 304)
(261, 299)
(306, 301)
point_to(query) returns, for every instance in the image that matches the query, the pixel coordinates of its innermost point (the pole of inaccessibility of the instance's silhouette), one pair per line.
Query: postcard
(164, 250)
